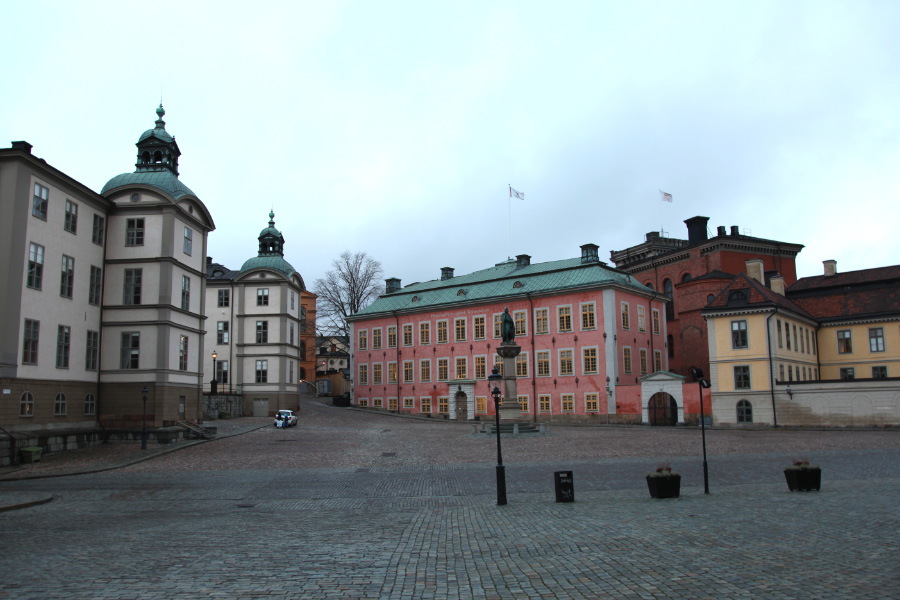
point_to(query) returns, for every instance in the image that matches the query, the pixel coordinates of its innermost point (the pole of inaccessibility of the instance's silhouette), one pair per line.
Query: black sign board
(565, 486)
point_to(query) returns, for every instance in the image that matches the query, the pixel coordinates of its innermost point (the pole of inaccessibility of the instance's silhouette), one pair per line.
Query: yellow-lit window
(376, 374)
(542, 320)
(443, 405)
(498, 320)
(442, 332)
(425, 333)
(480, 367)
(588, 317)
(522, 365)
(460, 325)
(589, 358)
(479, 328)
(462, 370)
(443, 369)
(642, 319)
(565, 362)
(564, 313)
(519, 320)
(544, 403)
(408, 371)
(480, 404)
(377, 402)
(591, 402)
(392, 372)
(568, 402)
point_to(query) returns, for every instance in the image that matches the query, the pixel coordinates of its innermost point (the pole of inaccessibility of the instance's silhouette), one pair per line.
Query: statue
(507, 327)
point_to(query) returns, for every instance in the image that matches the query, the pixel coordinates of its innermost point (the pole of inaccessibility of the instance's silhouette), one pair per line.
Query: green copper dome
(271, 251)
(269, 262)
(162, 180)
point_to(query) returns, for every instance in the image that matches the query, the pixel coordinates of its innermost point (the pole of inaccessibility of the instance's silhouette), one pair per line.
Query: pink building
(585, 329)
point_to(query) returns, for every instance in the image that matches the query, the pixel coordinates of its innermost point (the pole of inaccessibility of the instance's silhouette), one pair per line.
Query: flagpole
(508, 222)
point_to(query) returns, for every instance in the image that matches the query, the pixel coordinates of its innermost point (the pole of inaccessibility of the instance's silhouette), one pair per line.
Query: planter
(664, 486)
(31, 454)
(803, 478)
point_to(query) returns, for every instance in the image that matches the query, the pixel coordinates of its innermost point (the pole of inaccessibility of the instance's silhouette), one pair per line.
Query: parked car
(285, 415)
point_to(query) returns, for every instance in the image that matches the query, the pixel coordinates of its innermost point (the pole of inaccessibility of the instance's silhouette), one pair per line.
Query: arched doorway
(662, 409)
(462, 406)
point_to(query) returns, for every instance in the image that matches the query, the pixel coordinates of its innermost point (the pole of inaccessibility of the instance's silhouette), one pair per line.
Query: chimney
(735, 230)
(208, 261)
(391, 285)
(523, 260)
(23, 146)
(830, 267)
(653, 235)
(446, 273)
(589, 254)
(755, 269)
(720, 230)
(776, 283)
(696, 229)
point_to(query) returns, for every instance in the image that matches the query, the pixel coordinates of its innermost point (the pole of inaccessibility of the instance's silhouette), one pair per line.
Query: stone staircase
(198, 432)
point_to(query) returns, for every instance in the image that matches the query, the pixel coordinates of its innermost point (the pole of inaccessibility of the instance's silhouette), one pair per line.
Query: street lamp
(144, 393)
(493, 379)
(702, 383)
(214, 384)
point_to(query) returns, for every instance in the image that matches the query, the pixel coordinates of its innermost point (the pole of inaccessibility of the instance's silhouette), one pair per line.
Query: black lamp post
(493, 379)
(702, 383)
(214, 384)
(144, 393)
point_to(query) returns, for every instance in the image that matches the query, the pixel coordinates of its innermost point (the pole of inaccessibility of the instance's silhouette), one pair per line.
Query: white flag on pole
(516, 194)
(664, 196)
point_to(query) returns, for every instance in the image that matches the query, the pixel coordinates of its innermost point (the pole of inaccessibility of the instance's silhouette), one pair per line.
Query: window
(392, 337)
(808, 346)
(363, 337)
(565, 362)
(844, 342)
(291, 339)
(657, 361)
(543, 363)
(481, 404)
(542, 320)
(59, 405)
(376, 374)
(656, 321)
(589, 361)
(188, 240)
(564, 317)
(91, 350)
(742, 378)
(642, 353)
(224, 298)
(879, 372)
(425, 333)
(425, 370)
(796, 339)
(90, 404)
(670, 345)
(642, 318)
(131, 350)
(523, 404)
(392, 372)
(670, 305)
(443, 369)
(498, 364)
(134, 232)
(409, 402)
(442, 334)
(262, 332)
(26, 405)
(498, 324)
(291, 371)
(41, 195)
(790, 373)
(185, 292)
(132, 291)
(876, 339)
(293, 302)
(63, 333)
(544, 403)
(99, 230)
(408, 372)
(787, 335)
(813, 340)
(183, 353)
(588, 316)
(591, 402)
(67, 276)
(800, 340)
(376, 339)
(363, 374)
(262, 371)
(778, 328)
(30, 342)
(744, 412)
(480, 367)
(262, 299)
(626, 319)
(780, 372)
(443, 405)
(479, 325)
(222, 371)
(567, 402)
(520, 323)
(426, 405)
(848, 374)
(626, 360)
(95, 285)
(459, 326)
(739, 334)
(522, 365)
(71, 220)
(376, 402)
(35, 266)
(407, 335)
(462, 367)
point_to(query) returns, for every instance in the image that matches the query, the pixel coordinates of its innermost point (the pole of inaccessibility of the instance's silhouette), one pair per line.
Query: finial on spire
(160, 112)
(271, 218)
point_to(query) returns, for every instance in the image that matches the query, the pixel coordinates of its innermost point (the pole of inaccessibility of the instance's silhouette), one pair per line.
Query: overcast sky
(396, 127)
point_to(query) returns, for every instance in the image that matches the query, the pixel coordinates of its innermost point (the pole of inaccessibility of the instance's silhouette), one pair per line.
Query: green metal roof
(163, 180)
(505, 280)
(269, 262)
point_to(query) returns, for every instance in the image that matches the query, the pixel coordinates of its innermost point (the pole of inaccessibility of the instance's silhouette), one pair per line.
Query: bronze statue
(507, 327)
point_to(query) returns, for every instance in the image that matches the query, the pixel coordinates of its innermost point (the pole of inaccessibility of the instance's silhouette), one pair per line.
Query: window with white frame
(566, 362)
(134, 232)
(626, 359)
(567, 403)
(376, 374)
(391, 337)
(262, 298)
(460, 329)
(363, 375)
(30, 342)
(522, 365)
(262, 332)
(544, 403)
(363, 338)
(35, 266)
(876, 339)
(520, 322)
(130, 350)
(591, 402)
(408, 334)
(739, 334)
(442, 333)
(626, 318)
(589, 360)
(425, 333)
(443, 366)
(542, 320)
(543, 363)
(643, 357)
(188, 241)
(376, 338)
(425, 370)
(656, 329)
(41, 198)
(408, 371)
(462, 367)
(588, 316)
(480, 367)
(742, 377)
(70, 223)
(478, 324)
(262, 371)
(564, 318)
(524, 404)
(844, 341)
(131, 293)
(642, 318)
(392, 372)
(498, 324)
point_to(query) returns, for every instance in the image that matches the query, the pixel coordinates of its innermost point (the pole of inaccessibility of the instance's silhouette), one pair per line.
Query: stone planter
(664, 486)
(803, 477)
(31, 454)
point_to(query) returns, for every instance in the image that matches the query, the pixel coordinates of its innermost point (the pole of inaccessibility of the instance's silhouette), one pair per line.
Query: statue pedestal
(510, 411)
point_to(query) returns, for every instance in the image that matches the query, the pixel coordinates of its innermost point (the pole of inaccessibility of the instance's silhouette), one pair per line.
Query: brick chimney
(830, 267)
(755, 269)
(696, 229)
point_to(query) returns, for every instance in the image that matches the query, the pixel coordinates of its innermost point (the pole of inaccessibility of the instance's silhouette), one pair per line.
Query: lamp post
(144, 393)
(214, 384)
(493, 379)
(702, 383)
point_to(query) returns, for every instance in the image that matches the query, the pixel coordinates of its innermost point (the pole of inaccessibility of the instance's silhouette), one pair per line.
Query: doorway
(663, 410)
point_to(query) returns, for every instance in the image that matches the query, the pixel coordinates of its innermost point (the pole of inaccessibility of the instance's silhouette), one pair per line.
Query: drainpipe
(534, 398)
(771, 366)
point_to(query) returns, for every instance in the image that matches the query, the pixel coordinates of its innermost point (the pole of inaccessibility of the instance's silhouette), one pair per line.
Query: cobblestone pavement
(352, 504)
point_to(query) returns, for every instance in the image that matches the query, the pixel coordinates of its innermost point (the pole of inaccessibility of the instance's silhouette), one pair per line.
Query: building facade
(584, 329)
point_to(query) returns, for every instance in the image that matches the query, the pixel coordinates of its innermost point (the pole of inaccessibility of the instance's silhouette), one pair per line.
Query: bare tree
(352, 284)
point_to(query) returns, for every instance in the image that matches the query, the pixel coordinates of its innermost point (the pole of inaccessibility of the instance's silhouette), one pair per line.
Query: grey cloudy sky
(395, 127)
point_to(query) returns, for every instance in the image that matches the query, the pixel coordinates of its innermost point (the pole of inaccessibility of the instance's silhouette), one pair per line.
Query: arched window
(59, 406)
(90, 404)
(157, 157)
(686, 277)
(710, 298)
(744, 412)
(26, 405)
(145, 157)
(670, 344)
(649, 284)
(670, 305)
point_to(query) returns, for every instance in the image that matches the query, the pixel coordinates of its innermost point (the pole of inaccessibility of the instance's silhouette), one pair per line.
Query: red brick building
(692, 272)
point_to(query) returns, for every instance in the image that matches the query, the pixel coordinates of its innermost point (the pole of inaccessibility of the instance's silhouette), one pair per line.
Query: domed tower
(271, 253)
